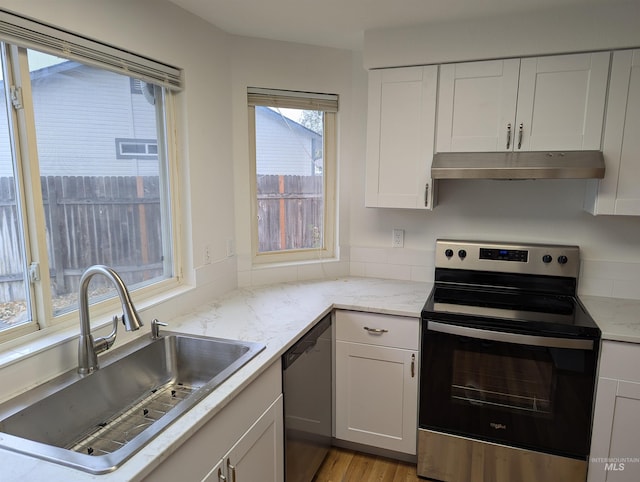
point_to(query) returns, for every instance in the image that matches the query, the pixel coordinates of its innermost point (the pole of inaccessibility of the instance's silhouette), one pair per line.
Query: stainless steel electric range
(509, 359)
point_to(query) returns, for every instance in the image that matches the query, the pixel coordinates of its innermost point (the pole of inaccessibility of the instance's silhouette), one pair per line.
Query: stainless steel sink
(95, 423)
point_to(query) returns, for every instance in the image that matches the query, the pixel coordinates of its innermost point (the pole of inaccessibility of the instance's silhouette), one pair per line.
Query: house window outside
(66, 198)
(293, 150)
(137, 149)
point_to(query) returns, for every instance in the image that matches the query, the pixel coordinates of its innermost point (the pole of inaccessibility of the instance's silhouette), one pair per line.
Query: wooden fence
(290, 212)
(111, 220)
(115, 220)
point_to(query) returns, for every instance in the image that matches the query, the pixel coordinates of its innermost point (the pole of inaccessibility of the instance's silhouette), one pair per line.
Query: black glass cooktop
(509, 309)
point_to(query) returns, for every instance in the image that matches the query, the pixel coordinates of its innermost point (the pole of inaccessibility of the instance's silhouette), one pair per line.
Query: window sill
(289, 263)
(58, 346)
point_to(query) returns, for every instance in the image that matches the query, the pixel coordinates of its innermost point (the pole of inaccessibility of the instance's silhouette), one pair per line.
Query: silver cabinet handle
(508, 135)
(231, 470)
(221, 478)
(413, 366)
(520, 127)
(376, 331)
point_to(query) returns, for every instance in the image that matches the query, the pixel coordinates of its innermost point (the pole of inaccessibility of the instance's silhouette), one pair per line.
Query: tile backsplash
(597, 278)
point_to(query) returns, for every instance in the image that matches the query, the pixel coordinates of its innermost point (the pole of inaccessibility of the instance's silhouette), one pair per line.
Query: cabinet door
(616, 419)
(619, 191)
(477, 106)
(376, 396)
(400, 130)
(258, 455)
(625, 435)
(561, 102)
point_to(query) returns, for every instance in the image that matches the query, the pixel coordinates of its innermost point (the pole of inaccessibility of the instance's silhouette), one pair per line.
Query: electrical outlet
(207, 254)
(397, 240)
(231, 248)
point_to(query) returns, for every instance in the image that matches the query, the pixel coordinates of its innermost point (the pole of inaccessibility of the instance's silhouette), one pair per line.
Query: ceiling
(342, 23)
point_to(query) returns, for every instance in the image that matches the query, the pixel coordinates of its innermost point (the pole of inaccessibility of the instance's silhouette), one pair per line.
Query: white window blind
(36, 35)
(288, 99)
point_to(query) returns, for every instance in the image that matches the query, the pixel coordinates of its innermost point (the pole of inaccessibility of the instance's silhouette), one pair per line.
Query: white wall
(217, 65)
(536, 211)
(162, 31)
(159, 30)
(280, 65)
(610, 25)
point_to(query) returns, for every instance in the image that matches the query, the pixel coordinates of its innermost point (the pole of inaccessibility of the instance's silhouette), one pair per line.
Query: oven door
(517, 389)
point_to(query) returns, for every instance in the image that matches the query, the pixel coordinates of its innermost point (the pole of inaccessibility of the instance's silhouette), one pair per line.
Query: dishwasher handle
(306, 342)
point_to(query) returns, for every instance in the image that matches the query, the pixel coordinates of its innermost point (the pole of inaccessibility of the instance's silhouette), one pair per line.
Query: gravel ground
(12, 313)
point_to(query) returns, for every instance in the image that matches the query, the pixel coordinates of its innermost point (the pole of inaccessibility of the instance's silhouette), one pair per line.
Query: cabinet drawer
(376, 329)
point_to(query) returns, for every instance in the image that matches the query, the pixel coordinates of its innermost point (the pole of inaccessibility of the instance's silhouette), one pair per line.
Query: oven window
(503, 382)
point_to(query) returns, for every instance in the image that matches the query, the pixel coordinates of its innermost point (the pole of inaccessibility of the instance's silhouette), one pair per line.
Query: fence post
(144, 239)
(54, 187)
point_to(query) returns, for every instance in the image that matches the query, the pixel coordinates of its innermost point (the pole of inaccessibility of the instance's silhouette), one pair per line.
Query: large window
(293, 174)
(84, 180)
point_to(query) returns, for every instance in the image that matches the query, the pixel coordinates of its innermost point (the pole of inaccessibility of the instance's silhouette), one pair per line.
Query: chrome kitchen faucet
(88, 349)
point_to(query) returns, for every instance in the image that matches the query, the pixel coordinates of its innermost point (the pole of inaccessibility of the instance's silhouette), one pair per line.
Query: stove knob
(562, 259)
(547, 258)
(448, 253)
(462, 253)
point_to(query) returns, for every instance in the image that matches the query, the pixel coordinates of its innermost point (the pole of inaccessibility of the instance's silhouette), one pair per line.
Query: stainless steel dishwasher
(307, 402)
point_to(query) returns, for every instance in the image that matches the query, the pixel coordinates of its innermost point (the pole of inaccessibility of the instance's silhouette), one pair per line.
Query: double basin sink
(96, 422)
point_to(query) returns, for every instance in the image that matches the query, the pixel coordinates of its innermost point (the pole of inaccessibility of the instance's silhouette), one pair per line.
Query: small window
(136, 149)
(293, 174)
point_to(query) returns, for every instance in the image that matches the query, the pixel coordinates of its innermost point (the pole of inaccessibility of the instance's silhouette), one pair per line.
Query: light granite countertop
(619, 319)
(275, 315)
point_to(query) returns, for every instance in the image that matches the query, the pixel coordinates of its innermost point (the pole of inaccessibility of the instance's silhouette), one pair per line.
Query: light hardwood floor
(342, 465)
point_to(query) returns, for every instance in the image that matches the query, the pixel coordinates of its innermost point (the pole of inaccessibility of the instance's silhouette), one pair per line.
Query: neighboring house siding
(5, 147)
(79, 113)
(283, 146)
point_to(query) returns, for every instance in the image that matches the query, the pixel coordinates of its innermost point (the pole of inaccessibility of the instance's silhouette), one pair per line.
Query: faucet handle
(155, 328)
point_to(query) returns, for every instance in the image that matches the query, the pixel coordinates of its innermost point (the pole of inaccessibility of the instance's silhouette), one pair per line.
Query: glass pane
(290, 180)
(14, 292)
(503, 382)
(100, 207)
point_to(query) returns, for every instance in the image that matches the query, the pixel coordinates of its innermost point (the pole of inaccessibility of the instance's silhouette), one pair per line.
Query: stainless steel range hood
(518, 165)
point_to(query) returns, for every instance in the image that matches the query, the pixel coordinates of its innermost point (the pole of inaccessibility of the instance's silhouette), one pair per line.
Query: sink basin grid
(95, 423)
(114, 434)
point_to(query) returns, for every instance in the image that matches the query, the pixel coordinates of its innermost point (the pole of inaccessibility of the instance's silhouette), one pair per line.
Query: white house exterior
(285, 147)
(84, 117)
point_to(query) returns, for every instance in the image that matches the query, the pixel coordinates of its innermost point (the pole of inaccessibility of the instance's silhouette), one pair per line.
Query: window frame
(328, 249)
(29, 199)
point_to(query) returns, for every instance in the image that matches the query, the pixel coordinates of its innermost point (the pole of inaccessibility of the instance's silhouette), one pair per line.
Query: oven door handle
(531, 340)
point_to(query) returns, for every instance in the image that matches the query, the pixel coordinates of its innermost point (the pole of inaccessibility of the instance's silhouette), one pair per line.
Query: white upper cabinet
(400, 131)
(619, 191)
(542, 103)
(476, 104)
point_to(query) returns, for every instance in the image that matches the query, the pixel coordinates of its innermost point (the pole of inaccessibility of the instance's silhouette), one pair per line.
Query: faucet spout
(88, 349)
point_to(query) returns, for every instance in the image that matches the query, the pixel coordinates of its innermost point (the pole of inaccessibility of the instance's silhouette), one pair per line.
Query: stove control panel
(518, 255)
(546, 259)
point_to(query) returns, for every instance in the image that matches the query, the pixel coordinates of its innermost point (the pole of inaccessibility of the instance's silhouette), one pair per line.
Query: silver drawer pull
(376, 331)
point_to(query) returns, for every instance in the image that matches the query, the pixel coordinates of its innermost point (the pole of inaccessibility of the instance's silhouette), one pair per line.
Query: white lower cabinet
(615, 441)
(244, 442)
(257, 455)
(377, 380)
